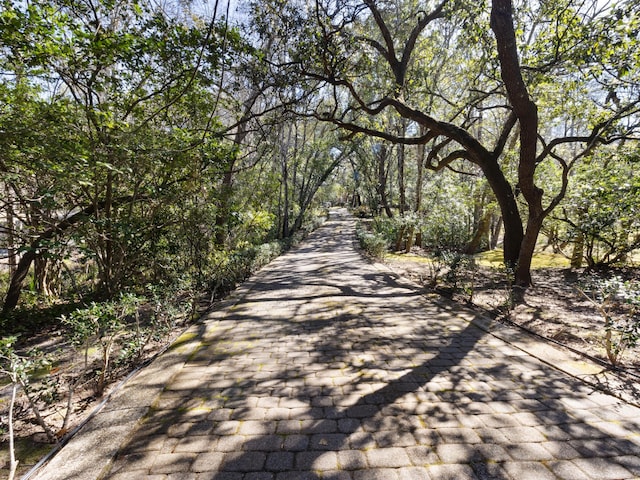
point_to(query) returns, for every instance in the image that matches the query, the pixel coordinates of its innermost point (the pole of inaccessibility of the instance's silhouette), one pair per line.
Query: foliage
(522, 93)
(99, 323)
(452, 272)
(443, 231)
(21, 370)
(372, 242)
(461, 273)
(618, 302)
(127, 140)
(230, 269)
(386, 227)
(405, 227)
(603, 208)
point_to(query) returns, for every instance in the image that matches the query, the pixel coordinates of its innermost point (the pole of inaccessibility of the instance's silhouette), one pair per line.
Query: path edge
(555, 356)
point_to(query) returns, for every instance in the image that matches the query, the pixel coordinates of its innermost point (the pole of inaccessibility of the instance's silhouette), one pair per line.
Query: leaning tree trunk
(22, 269)
(512, 223)
(17, 280)
(481, 235)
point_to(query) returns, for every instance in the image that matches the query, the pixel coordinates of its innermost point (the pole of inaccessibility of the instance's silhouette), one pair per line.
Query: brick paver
(331, 368)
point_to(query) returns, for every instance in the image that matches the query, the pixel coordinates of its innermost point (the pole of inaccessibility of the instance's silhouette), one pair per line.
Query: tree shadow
(322, 371)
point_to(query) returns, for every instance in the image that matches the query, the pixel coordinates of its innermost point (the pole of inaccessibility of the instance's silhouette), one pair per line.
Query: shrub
(361, 211)
(374, 244)
(601, 211)
(232, 268)
(99, 323)
(444, 231)
(386, 227)
(618, 302)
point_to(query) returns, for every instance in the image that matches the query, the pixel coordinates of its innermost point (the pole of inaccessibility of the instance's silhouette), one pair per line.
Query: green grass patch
(408, 258)
(28, 453)
(494, 259)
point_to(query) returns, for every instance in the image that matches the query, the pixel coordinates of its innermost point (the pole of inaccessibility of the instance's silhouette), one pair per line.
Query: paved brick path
(329, 368)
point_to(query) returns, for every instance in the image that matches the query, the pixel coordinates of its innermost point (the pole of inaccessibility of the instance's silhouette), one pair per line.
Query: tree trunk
(523, 270)
(11, 250)
(17, 280)
(496, 228)
(224, 201)
(480, 236)
(527, 114)
(400, 237)
(401, 159)
(226, 187)
(40, 276)
(382, 180)
(106, 236)
(22, 269)
(411, 232)
(420, 174)
(513, 231)
(577, 255)
(285, 206)
(306, 197)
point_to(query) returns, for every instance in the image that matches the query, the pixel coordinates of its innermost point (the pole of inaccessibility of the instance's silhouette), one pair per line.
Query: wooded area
(154, 154)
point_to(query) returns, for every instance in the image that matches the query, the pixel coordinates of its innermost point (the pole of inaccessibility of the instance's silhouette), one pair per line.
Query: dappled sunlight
(494, 258)
(333, 369)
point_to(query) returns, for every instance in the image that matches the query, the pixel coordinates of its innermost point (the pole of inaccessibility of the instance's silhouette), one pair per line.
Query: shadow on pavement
(331, 369)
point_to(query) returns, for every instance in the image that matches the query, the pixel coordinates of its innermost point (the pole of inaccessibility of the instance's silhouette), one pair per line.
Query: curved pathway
(325, 366)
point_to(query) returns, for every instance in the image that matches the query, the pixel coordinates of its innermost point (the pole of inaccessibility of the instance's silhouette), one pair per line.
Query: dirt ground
(553, 308)
(31, 443)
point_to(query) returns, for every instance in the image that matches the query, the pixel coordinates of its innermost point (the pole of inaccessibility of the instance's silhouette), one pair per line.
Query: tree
(600, 216)
(337, 41)
(128, 90)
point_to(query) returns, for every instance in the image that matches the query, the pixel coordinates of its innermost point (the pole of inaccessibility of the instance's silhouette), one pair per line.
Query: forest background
(155, 154)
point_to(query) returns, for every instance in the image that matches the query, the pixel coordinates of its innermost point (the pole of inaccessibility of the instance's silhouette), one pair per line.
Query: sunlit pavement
(325, 366)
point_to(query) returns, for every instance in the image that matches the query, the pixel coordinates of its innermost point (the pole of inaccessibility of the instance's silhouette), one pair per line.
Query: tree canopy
(146, 141)
(515, 89)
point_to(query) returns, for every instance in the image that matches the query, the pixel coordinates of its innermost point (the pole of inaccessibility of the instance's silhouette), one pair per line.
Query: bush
(99, 323)
(232, 268)
(361, 211)
(374, 244)
(601, 211)
(387, 228)
(618, 302)
(441, 231)
(444, 231)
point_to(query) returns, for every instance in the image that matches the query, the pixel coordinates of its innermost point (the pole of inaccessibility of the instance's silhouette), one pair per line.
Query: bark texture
(526, 112)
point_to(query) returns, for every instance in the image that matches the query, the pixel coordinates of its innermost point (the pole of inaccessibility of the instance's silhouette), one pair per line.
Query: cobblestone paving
(330, 369)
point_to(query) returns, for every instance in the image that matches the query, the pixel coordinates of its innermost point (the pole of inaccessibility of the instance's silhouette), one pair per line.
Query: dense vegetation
(153, 154)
